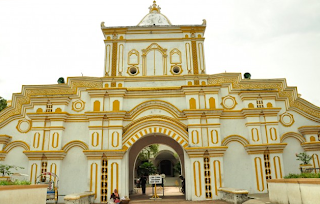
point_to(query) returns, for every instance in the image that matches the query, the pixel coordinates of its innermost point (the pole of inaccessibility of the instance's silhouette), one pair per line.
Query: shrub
(6, 183)
(304, 157)
(303, 175)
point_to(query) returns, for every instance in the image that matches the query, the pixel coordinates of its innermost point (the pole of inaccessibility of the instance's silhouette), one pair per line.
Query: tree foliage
(148, 152)
(6, 169)
(147, 168)
(177, 168)
(304, 157)
(3, 103)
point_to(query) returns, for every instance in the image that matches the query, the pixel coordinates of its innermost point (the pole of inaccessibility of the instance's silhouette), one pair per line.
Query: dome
(154, 17)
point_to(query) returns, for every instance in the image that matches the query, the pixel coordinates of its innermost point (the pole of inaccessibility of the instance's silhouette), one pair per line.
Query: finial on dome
(154, 7)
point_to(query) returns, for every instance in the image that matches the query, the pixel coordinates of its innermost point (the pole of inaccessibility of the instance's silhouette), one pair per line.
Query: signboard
(155, 179)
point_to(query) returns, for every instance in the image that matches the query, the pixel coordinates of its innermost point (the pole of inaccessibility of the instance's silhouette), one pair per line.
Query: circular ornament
(133, 70)
(24, 125)
(78, 105)
(176, 69)
(229, 102)
(286, 119)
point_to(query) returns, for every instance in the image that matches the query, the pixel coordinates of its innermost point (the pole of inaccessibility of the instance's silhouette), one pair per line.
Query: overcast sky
(43, 40)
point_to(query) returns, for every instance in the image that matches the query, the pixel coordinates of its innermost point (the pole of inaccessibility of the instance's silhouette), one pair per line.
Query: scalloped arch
(152, 117)
(295, 135)
(158, 104)
(158, 125)
(75, 143)
(234, 138)
(14, 144)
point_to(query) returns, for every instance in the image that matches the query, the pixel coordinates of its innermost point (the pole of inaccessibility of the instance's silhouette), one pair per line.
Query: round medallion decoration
(176, 69)
(78, 105)
(133, 70)
(229, 102)
(286, 119)
(24, 125)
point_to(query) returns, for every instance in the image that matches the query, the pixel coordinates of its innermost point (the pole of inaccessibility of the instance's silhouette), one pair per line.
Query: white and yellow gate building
(228, 131)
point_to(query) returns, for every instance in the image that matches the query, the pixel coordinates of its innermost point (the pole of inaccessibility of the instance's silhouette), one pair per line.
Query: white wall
(237, 167)
(291, 164)
(73, 177)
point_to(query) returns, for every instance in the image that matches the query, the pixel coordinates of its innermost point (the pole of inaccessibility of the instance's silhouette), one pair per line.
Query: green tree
(147, 152)
(304, 157)
(147, 168)
(177, 168)
(6, 169)
(3, 103)
(61, 80)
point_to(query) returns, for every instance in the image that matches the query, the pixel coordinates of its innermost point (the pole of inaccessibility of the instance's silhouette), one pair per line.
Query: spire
(154, 8)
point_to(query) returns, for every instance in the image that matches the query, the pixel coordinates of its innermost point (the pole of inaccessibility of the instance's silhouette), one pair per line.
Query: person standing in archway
(183, 184)
(143, 181)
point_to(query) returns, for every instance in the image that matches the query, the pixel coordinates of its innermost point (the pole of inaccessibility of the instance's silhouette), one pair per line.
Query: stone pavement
(172, 195)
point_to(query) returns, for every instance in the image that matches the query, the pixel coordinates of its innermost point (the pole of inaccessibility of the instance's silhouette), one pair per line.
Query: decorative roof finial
(154, 7)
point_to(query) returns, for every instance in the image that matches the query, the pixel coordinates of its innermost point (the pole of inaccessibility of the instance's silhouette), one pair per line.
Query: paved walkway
(172, 195)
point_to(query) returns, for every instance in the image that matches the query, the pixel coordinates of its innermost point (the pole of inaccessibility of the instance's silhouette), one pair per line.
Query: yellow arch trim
(75, 143)
(158, 104)
(234, 138)
(14, 144)
(154, 117)
(155, 125)
(295, 135)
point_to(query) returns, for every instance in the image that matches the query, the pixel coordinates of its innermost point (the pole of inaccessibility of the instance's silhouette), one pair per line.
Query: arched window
(96, 106)
(212, 103)
(192, 103)
(116, 105)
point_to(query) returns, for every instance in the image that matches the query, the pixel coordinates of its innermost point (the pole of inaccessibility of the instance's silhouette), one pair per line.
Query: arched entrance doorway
(154, 138)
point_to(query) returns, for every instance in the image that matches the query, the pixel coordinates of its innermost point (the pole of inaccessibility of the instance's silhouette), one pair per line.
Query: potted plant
(305, 158)
(5, 171)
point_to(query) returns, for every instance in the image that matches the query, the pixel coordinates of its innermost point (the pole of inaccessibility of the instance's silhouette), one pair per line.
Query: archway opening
(170, 155)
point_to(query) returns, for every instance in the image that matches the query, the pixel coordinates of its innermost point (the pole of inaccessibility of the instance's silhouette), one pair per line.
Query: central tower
(154, 47)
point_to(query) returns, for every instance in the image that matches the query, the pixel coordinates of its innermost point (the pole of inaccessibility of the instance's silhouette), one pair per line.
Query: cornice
(168, 28)
(261, 148)
(3, 155)
(109, 154)
(305, 130)
(311, 146)
(55, 100)
(197, 113)
(50, 155)
(111, 92)
(252, 112)
(99, 115)
(4, 139)
(199, 152)
(48, 128)
(253, 95)
(62, 116)
(288, 94)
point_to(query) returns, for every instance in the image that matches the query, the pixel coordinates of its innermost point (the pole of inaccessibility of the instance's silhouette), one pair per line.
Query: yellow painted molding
(17, 143)
(235, 138)
(75, 143)
(311, 129)
(295, 135)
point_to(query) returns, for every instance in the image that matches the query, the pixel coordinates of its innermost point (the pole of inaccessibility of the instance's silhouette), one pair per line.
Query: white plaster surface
(237, 172)
(24, 195)
(294, 193)
(73, 177)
